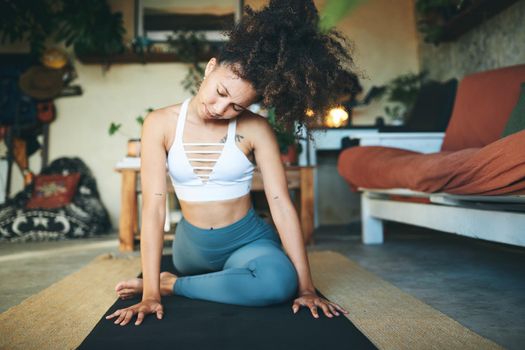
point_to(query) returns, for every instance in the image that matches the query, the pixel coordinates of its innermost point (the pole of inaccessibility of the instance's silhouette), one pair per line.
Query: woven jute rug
(389, 317)
(61, 316)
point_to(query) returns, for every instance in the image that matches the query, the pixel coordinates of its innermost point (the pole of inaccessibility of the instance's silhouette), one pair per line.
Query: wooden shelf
(132, 57)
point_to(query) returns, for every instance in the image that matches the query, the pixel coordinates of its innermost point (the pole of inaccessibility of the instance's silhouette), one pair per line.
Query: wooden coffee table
(300, 179)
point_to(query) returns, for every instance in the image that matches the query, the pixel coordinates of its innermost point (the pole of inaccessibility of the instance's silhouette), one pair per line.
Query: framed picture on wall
(160, 20)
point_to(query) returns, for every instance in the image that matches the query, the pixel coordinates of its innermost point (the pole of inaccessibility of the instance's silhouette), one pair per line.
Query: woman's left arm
(285, 217)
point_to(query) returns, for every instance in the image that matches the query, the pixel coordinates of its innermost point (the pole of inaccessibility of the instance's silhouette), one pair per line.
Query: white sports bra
(219, 175)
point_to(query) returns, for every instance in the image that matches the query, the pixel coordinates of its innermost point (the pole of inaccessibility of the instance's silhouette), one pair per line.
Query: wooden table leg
(128, 205)
(307, 203)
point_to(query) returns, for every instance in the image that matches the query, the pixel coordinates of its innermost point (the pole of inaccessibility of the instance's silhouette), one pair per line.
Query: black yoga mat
(197, 324)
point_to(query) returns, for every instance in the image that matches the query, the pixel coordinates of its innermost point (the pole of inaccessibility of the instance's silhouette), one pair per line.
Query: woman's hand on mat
(147, 306)
(312, 301)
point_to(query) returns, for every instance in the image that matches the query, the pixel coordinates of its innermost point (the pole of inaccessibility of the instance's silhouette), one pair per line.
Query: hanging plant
(89, 26)
(433, 15)
(190, 47)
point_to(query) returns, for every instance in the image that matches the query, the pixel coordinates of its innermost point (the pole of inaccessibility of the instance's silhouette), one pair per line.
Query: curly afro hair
(292, 65)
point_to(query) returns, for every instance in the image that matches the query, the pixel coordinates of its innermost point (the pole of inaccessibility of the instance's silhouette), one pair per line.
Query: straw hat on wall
(41, 83)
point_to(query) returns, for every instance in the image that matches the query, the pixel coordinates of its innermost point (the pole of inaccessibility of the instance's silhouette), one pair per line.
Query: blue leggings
(242, 263)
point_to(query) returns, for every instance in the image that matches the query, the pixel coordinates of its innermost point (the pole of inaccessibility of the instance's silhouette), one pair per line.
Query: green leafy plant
(116, 127)
(434, 14)
(190, 48)
(401, 93)
(285, 137)
(89, 26)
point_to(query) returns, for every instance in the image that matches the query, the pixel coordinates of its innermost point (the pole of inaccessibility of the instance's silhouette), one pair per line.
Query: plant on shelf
(400, 94)
(289, 145)
(89, 26)
(433, 15)
(133, 142)
(190, 47)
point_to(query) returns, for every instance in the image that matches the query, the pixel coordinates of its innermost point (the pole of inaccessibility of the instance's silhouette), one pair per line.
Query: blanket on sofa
(496, 169)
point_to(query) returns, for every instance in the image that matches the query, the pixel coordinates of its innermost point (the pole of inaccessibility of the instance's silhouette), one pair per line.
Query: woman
(222, 250)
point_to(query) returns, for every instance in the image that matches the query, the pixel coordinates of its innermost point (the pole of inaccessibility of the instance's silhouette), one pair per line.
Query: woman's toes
(167, 279)
(166, 274)
(133, 286)
(119, 286)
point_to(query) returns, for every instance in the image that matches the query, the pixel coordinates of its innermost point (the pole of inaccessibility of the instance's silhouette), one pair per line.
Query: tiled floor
(479, 284)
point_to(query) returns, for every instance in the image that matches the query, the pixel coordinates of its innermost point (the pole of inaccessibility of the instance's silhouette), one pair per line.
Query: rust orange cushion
(484, 102)
(53, 191)
(496, 169)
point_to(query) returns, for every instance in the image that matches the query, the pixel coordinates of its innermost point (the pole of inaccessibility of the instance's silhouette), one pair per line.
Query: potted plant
(133, 142)
(289, 145)
(401, 93)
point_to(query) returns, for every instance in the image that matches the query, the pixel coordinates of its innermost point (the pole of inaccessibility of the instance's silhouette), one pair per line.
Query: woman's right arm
(153, 184)
(153, 180)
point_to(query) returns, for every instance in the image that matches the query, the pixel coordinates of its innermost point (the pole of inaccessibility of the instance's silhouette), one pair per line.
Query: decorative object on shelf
(141, 46)
(445, 20)
(54, 58)
(58, 59)
(133, 146)
(41, 83)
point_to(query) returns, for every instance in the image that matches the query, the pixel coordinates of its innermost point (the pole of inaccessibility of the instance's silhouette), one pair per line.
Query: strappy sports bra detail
(226, 176)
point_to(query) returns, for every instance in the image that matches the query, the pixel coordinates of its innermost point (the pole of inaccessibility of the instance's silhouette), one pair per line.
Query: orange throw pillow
(53, 191)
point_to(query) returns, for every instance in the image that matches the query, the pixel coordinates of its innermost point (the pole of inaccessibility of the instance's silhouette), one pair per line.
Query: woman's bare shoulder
(161, 122)
(163, 115)
(254, 128)
(252, 122)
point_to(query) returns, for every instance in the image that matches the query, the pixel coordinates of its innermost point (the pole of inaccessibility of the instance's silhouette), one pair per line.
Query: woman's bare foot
(133, 286)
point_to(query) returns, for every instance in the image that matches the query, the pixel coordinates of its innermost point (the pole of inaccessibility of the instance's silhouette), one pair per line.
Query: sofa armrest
(424, 142)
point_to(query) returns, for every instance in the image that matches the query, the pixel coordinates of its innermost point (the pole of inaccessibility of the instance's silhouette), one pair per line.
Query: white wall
(119, 95)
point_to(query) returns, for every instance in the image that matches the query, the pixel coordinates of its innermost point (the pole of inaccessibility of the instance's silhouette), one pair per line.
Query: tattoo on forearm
(158, 194)
(276, 197)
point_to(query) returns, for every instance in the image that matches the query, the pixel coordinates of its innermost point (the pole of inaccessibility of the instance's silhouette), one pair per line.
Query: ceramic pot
(290, 157)
(133, 148)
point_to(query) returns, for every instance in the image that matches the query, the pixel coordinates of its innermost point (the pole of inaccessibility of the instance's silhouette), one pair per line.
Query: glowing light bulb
(336, 118)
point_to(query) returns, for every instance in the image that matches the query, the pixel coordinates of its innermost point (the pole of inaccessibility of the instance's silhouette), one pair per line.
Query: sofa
(473, 185)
